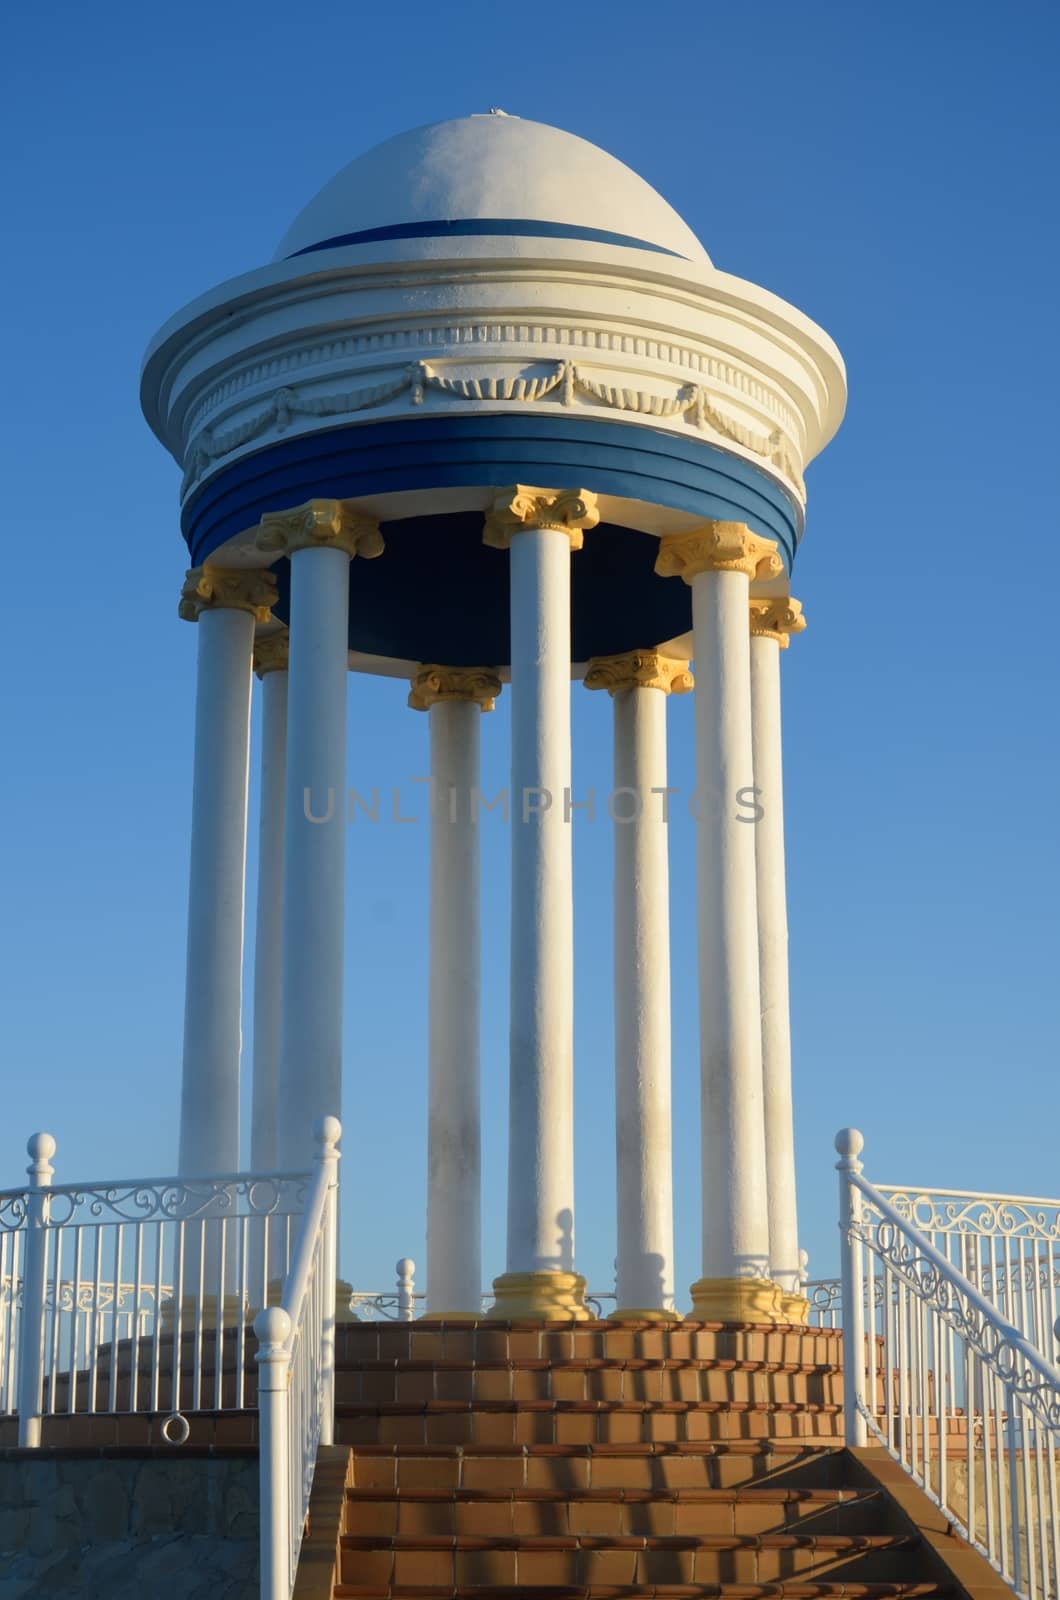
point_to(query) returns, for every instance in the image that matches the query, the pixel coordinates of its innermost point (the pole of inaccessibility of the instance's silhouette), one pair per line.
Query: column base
(228, 1313)
(738, 1300)
(539, 1297)
(796, 1308)
(633, 1314)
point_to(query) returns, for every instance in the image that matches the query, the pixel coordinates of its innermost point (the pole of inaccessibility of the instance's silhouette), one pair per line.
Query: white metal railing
(296, 1374)
(938, 1374)
(132, 1296)
(405, 1302)
(1007, 1245)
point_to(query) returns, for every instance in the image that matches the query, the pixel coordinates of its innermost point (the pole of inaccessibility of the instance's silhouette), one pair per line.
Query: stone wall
(117, 1525)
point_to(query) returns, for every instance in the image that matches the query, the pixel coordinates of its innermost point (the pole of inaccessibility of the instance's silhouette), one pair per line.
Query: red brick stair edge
(320, 1556)
(957, 1564)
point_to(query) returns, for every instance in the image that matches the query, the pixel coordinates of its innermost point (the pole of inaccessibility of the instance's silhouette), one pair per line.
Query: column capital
(433, 685)
(776, 619)
(208, 588)
(320, 524)
(272, 652)
(521, 510)
(718, 547)
(639, 669)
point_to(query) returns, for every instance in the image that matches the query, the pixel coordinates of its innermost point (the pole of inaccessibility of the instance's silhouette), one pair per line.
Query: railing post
(272, 1328)
(327, 1133)
(40, 1149)
(406, 1288)
(849, 1144)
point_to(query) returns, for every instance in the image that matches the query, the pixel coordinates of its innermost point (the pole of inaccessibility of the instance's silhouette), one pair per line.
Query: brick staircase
(592, 1460)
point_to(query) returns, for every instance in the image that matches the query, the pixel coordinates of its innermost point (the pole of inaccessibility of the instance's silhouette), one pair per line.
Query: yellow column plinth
(229, 1312)
(540, 1297)
(343, 1291)
(796, 1309)
(738, 1300)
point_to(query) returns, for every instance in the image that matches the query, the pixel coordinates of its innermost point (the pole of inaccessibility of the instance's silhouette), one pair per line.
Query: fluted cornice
(320, 524)
(522, 510)
(208, 588)
(718, 547)
(433, 685)
(272, 652)
(776, 619)
(639, 669)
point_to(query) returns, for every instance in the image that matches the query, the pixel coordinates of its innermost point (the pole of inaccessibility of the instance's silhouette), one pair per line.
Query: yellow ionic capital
(320, 524)
(272, 652)
(521, 510)
(776, 619)
(208, 588)
(718, 547)
(433, 684)
(639, 669)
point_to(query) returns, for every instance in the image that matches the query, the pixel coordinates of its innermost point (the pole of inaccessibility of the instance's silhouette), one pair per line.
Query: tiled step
(480, 1342)
(109, 1430)
(406, 1560)
(501, 1422)
(587, 1378)
(676, 1464)
(488, 1512)
(660, 1591)
(165, 1398)
(599, 1462)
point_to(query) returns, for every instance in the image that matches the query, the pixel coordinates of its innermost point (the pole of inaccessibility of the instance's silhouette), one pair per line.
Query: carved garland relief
(566, 383)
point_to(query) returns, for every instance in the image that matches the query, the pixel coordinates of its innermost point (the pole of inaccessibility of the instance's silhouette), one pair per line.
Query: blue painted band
(484, 227)
(437, 593)
(491, 450)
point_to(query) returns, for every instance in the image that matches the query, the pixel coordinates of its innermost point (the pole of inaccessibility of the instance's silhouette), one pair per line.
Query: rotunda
(491, 416)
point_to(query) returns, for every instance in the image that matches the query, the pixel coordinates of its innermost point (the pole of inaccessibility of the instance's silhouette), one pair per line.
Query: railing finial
(40, 1147)
(327, 1131)
(272, 1327)
(849, 1144)
(406, 1287)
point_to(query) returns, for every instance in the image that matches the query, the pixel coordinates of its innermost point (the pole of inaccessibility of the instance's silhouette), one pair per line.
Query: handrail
(1007, 1336)
(968, 1194)
(953, 1389)
(296, 1375)
(166, 1180)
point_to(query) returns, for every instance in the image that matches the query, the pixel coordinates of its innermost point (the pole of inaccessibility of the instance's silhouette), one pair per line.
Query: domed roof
(489, 175)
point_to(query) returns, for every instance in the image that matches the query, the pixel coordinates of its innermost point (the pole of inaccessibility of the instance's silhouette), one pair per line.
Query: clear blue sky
(892, 170)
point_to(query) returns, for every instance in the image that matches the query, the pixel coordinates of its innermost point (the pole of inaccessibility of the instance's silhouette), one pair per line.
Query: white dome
(474, 174)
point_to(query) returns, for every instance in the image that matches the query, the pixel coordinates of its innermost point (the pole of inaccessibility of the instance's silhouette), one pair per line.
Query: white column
(772, 622)
(639, 683)
(225, 605)
(540, 527)
(454, 698)
(320, 539)
(270, 663)
(717, 560)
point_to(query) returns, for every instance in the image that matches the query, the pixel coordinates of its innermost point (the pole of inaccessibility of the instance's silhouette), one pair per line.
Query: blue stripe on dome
(491, 450)
(479, 227)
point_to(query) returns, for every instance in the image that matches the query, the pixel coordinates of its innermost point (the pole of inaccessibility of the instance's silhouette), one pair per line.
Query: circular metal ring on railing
(183, 1428)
